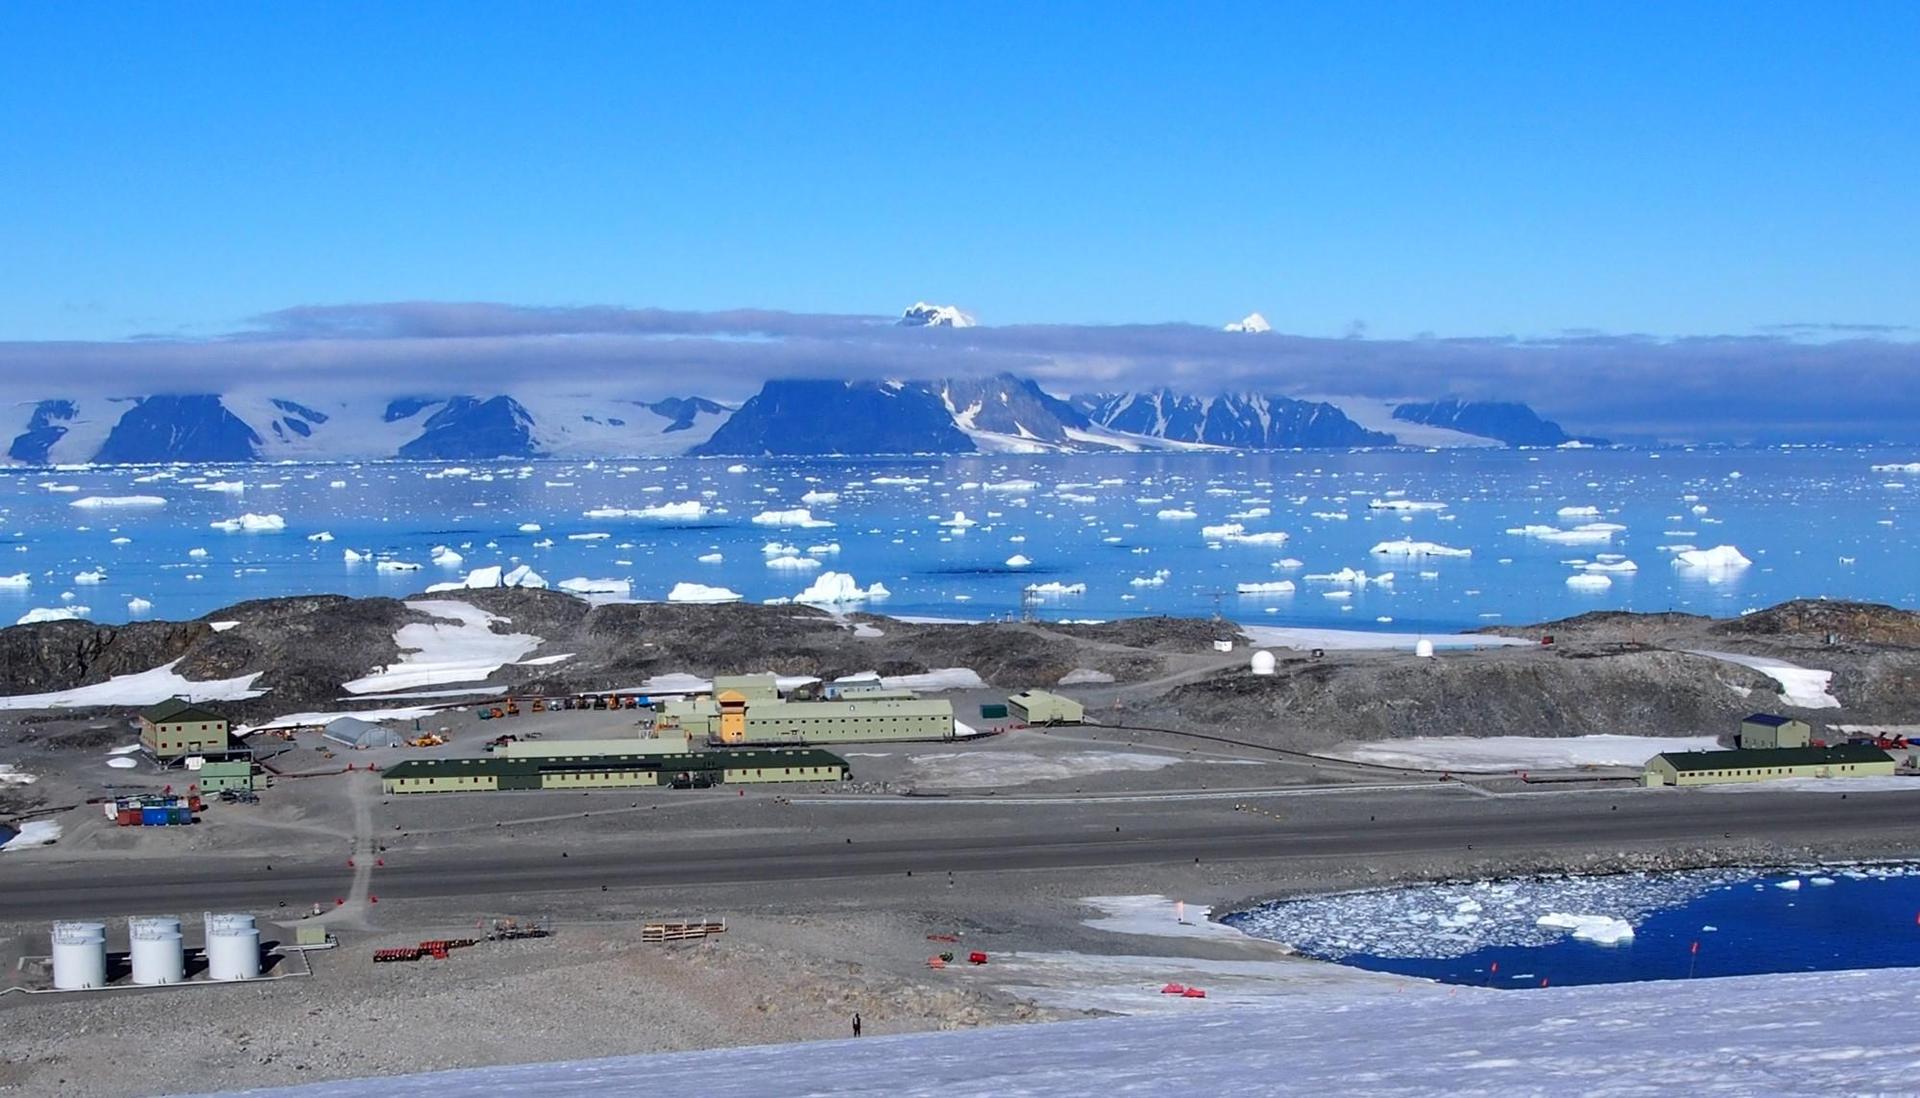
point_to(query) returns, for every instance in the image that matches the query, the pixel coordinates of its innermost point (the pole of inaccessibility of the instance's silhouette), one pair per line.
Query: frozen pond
(1614, 929)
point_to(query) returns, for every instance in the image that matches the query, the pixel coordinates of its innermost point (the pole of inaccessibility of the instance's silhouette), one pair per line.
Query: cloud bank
(1799, 381)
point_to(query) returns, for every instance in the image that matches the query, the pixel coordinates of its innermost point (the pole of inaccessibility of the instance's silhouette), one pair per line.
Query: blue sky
(1473, 169)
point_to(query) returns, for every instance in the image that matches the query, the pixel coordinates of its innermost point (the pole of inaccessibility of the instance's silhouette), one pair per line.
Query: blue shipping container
(155, 817)
(181, 815)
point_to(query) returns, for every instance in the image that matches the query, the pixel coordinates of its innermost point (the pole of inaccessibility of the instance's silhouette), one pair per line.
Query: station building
(735, 718)
(613, 771)
(176, 728)
(1766, 730)
(1045, 707)
(1690, 768)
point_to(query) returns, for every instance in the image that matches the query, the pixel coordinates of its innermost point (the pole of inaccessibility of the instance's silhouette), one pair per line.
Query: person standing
(856, 1023)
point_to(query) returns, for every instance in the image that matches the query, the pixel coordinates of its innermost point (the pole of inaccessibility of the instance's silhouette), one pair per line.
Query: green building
(858, 721)
(1689, 768)
(1045, 707)
(216, 775)
(176, 727)
(1766, 730)
(613, 771)
(754, 688)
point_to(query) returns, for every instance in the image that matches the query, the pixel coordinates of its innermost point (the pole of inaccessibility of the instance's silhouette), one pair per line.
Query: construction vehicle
(513, 708)
(510, 929)
(427, 739)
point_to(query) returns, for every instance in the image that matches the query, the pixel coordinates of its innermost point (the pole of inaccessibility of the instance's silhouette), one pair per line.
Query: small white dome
(1423, 649)
(1263, 662)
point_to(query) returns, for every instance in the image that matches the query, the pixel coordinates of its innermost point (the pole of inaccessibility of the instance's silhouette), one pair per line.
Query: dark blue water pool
(1820, 921)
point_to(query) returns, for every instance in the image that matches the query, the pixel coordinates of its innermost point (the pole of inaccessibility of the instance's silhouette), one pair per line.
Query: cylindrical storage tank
(234, 955)
(158, 956)
(1263, 662)
(79, 955)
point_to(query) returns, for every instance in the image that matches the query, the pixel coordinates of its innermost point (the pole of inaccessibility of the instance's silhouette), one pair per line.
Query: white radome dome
(1263, 662)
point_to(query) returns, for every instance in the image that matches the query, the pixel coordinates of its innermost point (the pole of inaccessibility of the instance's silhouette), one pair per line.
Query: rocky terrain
(1643, 674)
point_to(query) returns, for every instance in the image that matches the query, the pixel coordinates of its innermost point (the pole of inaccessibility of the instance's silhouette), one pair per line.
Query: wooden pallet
(681, 931)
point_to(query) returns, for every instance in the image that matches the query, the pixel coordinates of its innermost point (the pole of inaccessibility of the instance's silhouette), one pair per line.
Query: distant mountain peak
(1252, 322)
(922, 315)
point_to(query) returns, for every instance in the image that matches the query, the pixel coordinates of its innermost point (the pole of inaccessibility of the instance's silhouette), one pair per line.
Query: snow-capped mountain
(922, 315)
(1241, 421)
(998, 414)
(1252, 322)
(260, 427)
(1507, 422)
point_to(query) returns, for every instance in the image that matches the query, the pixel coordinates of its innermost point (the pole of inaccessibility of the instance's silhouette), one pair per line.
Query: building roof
(1751, 758)
(851, 707)
(698, 760)
(178, 710)
(1771, 720)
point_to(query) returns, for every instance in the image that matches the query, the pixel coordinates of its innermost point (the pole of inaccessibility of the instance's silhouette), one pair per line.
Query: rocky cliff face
(1513, 424)
(839, 417)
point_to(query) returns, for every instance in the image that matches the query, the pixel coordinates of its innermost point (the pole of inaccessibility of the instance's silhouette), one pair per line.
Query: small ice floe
(959, 521)
(1790, 886)
(196, 553)
(1579, 512)
(1018, 560)
(447, 558)
(53, 613)
(698, 592)
(138, 605)
(1158, 579)
(1275, 587)
(798, 516)
(1055, 589)
(689, 509)
(91, 577)
(349, 555)
(817, 498)
(711, 558)
(396, 566)
(1407, 547)
(792, 563)
(595, 536)
(1598, 929)
(583, 585)
(1176, 514)
(1588, 581)
(18, 579)
(1351, 577)
(321, 536)
(529, 527)
(251, 524)
(100, 502)
(1405, 505)
(1715, 563)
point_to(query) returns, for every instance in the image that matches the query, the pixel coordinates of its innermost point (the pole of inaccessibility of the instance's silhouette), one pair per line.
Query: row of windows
(1765, 770)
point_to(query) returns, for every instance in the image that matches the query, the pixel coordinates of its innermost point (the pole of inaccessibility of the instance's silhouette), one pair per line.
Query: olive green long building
(734, 719)
(1689, 768)
(613, 771)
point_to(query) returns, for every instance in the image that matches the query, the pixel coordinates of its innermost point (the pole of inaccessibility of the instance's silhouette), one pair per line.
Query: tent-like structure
(354, 732)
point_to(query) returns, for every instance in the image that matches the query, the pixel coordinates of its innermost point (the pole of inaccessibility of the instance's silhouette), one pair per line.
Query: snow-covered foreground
(144, 688)
(460, 648)
(1499, 754)
(1781, 1034)
(33, 833)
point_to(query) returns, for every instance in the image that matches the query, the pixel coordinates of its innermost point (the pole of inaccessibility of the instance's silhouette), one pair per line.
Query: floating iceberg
(690, 509)
(251, 523)
(792, 563)
(1274, 587)
(1598, 929)
(396, 566)
(694, 592)
(1718, 560)
(833, 588)
(1018, 560)
(1587, 581)
(95, 502)
(53, 613)
(582, 585)
(1406, 505)
(1055, 589)
(1406, 547)
(798, 516)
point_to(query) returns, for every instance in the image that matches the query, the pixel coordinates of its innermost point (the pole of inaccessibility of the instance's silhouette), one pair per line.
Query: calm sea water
(1813, 521)
(1685, 926)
